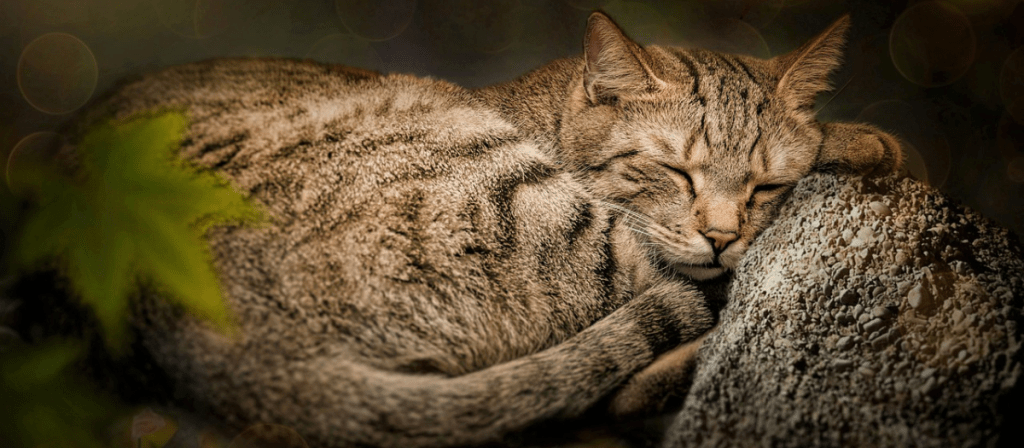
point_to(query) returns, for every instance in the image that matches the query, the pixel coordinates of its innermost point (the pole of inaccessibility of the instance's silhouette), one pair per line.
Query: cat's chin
(700, 272)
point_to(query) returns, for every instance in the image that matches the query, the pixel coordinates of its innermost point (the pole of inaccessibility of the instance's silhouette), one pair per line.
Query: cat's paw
(859, 149)
(883, 153)
(670, 314)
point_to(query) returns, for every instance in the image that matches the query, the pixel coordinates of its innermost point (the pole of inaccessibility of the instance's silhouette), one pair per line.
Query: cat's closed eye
(681, 173)
(768, 188)
(765, 191)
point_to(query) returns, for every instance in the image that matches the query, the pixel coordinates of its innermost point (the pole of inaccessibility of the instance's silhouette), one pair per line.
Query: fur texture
(444, 266)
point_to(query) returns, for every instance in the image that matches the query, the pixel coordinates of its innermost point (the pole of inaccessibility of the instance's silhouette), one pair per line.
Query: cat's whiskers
(653, 243)
(665, 269)
(647, 231)
(639, 231)
(650, 238)
(645, 221)
(626, 211)
(655, 239)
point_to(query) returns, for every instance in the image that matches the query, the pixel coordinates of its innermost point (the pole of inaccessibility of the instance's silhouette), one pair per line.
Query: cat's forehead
(718, 112)
(715, 76)
(685, 121)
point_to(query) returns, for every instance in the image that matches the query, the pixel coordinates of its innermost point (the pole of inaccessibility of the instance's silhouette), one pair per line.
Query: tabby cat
(444, 266)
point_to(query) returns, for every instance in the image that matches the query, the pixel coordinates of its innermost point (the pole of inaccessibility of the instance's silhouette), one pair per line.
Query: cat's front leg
(858, 149)
(669, 314)
(649, 389)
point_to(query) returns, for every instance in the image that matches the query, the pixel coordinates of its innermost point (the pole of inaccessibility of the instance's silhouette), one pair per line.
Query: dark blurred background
(947, 75)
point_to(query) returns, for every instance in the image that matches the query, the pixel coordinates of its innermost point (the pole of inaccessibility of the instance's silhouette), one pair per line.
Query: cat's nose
(719, 240)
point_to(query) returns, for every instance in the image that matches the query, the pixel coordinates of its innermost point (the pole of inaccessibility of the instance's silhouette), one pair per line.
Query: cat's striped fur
(444, 266)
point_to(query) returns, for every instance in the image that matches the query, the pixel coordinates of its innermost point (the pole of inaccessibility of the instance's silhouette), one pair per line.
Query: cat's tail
(333, 401)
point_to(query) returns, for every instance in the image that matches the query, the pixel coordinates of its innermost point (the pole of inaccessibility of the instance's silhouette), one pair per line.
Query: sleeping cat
(443, 266)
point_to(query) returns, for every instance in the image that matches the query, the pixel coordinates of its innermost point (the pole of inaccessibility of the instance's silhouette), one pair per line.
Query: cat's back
(403, 213)
(292, 133)
(284, 103)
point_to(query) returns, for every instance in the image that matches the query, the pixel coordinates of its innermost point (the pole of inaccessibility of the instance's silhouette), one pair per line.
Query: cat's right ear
(614, 64)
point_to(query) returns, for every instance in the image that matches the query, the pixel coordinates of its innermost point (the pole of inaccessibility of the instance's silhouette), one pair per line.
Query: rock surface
(873, 313)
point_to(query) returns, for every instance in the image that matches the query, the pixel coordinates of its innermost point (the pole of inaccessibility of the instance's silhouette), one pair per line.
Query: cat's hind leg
(667, 378)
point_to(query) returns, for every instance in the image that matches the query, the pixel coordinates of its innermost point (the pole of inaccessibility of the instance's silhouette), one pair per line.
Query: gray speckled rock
(928, 354)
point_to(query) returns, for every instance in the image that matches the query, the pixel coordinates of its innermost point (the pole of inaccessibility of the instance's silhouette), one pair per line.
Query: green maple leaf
(133, 212)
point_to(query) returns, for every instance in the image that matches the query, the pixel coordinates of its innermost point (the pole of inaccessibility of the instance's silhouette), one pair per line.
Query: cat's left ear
(805, 71)
(614, 64)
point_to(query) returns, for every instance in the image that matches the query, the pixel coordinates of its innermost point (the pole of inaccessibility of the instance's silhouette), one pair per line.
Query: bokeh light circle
(375, 20)
(57, 73)
(1011, 84)
(469, 26)
(34, 152)
(932, 44)
(345, 49)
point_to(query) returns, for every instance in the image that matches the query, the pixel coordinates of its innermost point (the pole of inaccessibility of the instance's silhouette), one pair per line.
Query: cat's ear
(615, 65)
(805, 71)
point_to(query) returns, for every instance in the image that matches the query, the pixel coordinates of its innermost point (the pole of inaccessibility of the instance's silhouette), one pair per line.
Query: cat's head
(697, 148)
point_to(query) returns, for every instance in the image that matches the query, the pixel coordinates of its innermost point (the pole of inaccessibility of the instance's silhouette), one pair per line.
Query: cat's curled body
(443, 266)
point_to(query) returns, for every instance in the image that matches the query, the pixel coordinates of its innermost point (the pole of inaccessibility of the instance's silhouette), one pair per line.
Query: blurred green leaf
(133, 212)
(43, 405)
(42, 367)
